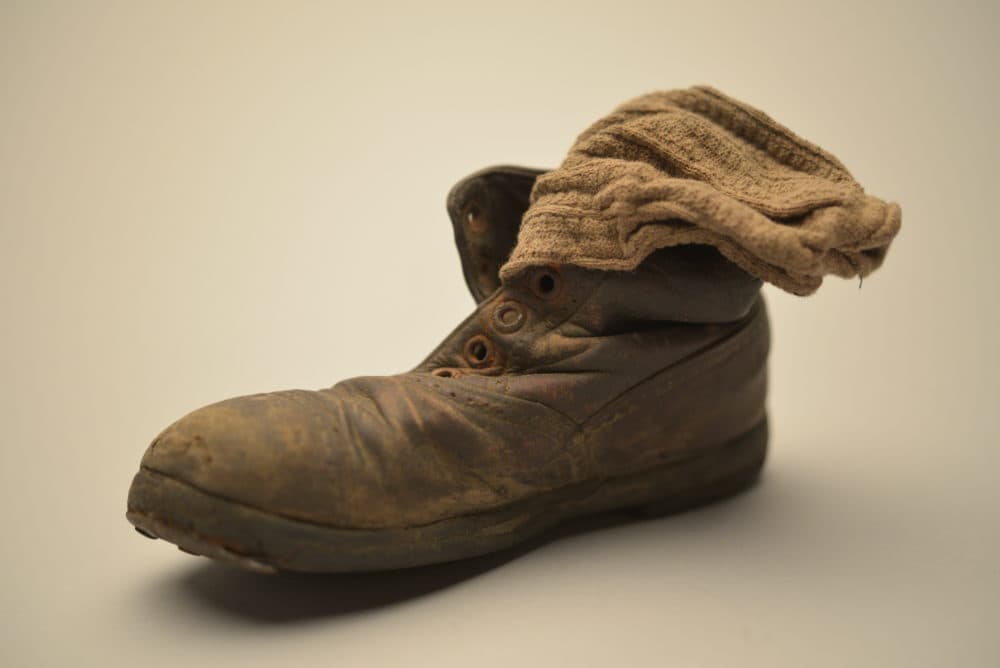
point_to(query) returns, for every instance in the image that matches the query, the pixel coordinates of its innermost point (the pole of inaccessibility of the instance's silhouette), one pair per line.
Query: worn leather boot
(567, 392)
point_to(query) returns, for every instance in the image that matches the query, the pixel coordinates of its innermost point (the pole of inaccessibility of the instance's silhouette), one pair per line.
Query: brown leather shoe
(566, 392)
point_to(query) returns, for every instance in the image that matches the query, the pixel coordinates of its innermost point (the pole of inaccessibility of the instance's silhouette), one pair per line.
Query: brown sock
(695, 166)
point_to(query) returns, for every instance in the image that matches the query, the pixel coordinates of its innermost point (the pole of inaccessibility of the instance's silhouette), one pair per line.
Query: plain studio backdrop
(200, 200)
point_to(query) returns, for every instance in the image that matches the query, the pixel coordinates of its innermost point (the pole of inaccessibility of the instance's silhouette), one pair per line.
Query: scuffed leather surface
(369, 452)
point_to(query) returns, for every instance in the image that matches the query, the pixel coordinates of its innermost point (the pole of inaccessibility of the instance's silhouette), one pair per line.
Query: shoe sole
(202, 523)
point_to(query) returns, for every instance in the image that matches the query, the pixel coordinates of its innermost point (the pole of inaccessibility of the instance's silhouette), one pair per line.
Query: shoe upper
(562, 375)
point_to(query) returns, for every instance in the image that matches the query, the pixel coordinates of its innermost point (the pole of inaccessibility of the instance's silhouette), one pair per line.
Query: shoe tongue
(485, 210)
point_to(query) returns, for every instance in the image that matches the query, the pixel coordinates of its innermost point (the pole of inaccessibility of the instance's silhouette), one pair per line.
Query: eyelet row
(507, 317)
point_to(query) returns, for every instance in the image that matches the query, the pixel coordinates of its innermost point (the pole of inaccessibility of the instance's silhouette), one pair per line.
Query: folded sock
(695, 166)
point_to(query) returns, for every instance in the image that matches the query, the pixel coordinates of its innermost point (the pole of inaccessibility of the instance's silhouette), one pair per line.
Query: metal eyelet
(474, 220)
(508, 317)
(479, 351)
(546, 283)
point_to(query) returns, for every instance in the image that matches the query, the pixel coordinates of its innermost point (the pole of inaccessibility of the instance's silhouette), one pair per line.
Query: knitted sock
(695, 166)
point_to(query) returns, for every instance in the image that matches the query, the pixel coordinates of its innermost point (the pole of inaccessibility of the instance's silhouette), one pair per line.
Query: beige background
(199, 200)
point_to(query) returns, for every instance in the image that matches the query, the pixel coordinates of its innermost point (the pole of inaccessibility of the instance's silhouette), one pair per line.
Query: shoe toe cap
(266, 451)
